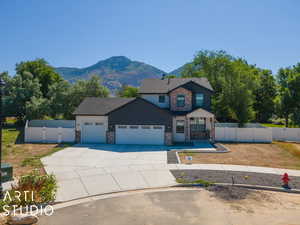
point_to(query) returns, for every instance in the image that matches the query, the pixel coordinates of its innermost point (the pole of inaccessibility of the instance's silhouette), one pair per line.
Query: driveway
(87, 170)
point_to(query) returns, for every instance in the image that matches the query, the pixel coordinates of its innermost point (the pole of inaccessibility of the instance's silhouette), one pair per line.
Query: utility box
(7, 172)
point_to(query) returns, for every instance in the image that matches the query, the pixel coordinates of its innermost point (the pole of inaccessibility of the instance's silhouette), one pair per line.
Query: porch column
(187, 129)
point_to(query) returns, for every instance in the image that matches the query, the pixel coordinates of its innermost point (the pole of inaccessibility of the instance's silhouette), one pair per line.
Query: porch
(196, 126)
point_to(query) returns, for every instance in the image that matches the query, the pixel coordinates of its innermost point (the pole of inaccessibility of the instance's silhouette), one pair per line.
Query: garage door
(93, 133)
(140, 134)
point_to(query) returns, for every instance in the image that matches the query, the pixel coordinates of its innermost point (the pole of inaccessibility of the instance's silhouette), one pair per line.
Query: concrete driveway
(86, 170)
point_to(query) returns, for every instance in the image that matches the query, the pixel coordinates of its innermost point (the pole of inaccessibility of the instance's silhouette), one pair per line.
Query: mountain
(114, 71)
(178, 71)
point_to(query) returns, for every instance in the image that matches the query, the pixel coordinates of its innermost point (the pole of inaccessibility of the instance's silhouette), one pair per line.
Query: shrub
(43, 187)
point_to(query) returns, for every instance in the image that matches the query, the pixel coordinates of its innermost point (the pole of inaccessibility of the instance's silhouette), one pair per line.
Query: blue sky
(163, 33)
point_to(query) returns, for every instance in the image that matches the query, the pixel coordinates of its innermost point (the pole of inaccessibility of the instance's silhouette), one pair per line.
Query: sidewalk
(223, 167)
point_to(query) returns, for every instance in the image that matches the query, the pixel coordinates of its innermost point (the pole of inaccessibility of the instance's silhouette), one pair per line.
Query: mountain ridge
(114, 71)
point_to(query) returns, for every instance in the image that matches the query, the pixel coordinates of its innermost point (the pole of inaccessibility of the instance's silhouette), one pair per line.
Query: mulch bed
(249, 178)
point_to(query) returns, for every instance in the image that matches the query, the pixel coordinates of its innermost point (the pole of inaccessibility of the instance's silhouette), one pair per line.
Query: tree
(233, 81)
(80, 90)
(41, 71)
(37, 108)
(22, 90)
(265, 95)
(288, 105)
(58, 99)
(127, 91)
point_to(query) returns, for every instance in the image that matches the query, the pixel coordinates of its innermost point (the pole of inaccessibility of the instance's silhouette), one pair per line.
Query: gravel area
(172, 158)
(250, 178)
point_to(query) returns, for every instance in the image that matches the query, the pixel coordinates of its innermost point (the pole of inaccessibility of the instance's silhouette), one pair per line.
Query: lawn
(277, 154)
(25, 157)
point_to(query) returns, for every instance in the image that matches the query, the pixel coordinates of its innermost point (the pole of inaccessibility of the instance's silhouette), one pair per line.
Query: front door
(179, 131)
(198, 129)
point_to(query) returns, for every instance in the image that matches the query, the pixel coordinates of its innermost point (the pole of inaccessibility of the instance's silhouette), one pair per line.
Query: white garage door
(93, 133)
(140, 134)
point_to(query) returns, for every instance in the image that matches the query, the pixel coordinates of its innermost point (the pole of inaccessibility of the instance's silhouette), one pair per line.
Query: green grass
(278, 125)
(35, 161)
(10, 136)
(272, 125)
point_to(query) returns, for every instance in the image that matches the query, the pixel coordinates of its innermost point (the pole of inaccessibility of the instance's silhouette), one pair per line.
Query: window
(157, 127)
(161, 99)
(99, 124)
(122, 127)
(88, 124)
(180, 126)
(134, 127)
(180, 101)
(145, 127)
(199, 99)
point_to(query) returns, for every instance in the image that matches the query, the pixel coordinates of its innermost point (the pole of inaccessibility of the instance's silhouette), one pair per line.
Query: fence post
(59, 135)
(44, 134)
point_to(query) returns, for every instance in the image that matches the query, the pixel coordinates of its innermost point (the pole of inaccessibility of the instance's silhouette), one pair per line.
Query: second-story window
(180, 101)
(199, 99)
(161, 99)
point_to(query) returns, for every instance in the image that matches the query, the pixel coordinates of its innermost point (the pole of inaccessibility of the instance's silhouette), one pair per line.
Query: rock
(22, 220)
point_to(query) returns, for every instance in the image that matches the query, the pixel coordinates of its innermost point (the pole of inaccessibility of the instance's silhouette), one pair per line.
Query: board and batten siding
(154, 98)
(80, 120)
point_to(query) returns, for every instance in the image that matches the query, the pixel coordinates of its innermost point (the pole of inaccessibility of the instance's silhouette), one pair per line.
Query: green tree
(58, 96)
(288, 105)
(80, 90)
(265, 94)
(37, 108)
(127, 91)
(233, 81)
(22, 90)
(40, 70)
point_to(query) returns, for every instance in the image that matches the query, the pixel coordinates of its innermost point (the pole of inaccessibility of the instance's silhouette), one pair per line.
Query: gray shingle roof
(165, 85)
(100, 106)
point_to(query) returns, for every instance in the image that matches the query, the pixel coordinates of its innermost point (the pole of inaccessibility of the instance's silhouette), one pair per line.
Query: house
(167, 111)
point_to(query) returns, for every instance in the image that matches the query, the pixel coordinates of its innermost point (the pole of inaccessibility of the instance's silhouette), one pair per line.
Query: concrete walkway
(223, 167)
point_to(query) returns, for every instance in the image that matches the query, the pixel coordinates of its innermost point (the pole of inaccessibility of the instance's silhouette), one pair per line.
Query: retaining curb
(255, 187)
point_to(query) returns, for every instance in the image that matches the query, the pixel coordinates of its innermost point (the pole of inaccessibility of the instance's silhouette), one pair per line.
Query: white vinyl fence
(50, 131)
(286, 134)
(234, 134)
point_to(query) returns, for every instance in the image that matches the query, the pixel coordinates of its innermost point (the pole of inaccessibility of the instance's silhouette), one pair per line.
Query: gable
(158, 86)
(193, 87)
(140, 112)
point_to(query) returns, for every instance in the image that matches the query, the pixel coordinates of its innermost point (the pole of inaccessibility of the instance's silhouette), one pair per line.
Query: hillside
(114, 71)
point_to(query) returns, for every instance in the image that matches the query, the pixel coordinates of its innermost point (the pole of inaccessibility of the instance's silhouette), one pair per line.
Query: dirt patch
(232, 193)
(17, 153)
(268, 155)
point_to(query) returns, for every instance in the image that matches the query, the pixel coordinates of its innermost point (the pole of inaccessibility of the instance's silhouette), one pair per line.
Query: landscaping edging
(255, 187)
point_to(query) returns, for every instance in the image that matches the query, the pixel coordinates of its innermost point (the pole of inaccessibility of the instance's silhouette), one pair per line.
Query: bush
(41, 189)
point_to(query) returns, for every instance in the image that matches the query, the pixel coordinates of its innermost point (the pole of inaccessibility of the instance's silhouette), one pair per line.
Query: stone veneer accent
(168, 138)
(110, 137)
(188, 99)
(77, 136)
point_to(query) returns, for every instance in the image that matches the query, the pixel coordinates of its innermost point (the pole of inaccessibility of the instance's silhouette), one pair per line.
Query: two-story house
(167, 111)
